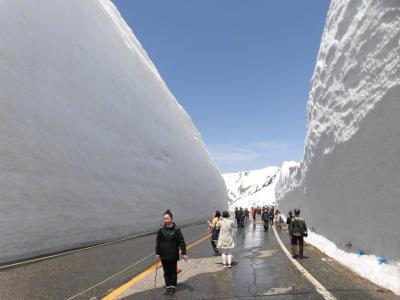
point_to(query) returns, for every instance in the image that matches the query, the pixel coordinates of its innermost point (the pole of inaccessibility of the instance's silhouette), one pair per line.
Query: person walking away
(246, 213)
(297, 231)
(215, 231)
(277, 219)
(169, 240)
(253, 213)
(237, 216)
(270, 216)
(242, 217)
(226, 241)
(289, 218)
(264, 218)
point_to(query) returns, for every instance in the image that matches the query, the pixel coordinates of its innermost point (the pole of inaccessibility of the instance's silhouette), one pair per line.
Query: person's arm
(182, 244)
(158, 240)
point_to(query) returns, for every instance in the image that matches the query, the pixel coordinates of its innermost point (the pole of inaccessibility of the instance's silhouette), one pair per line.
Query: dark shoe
(172, 291)
(295, 256)
(166, 291)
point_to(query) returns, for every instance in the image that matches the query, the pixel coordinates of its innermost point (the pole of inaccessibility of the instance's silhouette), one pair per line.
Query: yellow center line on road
(146, 273)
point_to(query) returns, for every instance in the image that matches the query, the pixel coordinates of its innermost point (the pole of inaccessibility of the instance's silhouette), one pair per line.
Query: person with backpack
(213, 225)
(169, 240)
(226, 241)
(297, 231)
(265, 219)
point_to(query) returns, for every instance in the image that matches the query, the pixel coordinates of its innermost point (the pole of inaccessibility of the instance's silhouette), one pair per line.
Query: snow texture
(94, 146)
(252, 188)
(348, 184)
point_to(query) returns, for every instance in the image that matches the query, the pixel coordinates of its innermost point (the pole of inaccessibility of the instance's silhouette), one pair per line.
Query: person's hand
(158, 256)
(185, 257)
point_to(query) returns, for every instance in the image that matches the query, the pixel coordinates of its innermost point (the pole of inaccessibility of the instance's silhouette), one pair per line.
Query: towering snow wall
(348, 184)
(93, 144)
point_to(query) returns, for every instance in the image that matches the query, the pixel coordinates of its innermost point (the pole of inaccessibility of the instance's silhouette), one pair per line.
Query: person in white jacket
(226, 241)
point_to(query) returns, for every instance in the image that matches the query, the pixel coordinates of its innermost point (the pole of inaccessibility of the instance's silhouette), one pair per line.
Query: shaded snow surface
(94, 146)
(348, 184)
(251, 188)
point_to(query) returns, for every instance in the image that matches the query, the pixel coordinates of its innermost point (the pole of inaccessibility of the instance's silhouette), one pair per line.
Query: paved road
(261, 271)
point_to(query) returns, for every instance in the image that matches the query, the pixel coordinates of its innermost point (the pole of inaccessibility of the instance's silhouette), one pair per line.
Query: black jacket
(169, 240)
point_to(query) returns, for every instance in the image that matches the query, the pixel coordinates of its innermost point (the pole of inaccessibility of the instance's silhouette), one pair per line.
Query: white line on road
(318, 286)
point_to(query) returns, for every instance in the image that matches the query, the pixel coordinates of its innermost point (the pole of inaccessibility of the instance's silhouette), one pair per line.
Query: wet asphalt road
(260, 271)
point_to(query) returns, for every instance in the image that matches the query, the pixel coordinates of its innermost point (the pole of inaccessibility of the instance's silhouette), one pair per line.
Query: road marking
(146, 273)
(318, 286)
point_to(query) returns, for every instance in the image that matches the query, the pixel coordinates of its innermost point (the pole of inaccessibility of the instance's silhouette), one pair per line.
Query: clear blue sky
(240, 68)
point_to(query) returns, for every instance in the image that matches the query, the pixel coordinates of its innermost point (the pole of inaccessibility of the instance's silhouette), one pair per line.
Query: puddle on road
(277, 291)
(266, 253)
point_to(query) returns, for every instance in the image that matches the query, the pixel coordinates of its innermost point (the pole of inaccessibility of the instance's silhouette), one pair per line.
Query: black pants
(298, 240)
(214, 246)
(266, 224)
(170, 276)
(254, 217)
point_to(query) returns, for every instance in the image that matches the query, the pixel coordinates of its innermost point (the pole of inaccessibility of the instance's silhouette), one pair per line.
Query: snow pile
(367, 266)
(348, 184)
(252, 188)
(94, 145)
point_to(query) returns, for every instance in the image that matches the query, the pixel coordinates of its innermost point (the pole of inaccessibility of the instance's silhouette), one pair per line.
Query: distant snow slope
(93, 144)
(348, 184)
(251, 188)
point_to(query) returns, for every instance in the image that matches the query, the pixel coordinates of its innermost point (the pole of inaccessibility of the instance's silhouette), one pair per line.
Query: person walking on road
(289, 218)
(237, 216)
(271, 216)
(169, 240)
(297, 232)
(265, 219)
(226, 241)
(253, 213)
(277, 219)
(215, 231)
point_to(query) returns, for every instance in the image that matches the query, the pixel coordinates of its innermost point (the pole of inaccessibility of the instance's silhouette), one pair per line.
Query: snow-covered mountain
(93, 144)
(252, 188)
(348, 183)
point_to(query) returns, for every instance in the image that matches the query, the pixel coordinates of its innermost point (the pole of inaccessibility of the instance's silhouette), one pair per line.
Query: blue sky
(241, 69)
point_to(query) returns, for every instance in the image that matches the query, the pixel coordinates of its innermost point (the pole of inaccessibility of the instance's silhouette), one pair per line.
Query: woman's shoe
(172, 291)
(229, 266)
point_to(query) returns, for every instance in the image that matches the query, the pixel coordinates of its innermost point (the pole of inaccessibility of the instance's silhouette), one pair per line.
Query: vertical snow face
(348, 184)
(94, 146)
(252, 188)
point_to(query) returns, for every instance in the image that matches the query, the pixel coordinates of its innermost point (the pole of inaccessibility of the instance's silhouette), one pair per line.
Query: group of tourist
(170, 239)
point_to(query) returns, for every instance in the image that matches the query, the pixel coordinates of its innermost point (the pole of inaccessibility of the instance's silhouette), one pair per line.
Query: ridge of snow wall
(94, 145)
(348, 184)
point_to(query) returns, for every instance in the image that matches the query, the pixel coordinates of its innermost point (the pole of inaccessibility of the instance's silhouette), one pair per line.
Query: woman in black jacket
(169, 240)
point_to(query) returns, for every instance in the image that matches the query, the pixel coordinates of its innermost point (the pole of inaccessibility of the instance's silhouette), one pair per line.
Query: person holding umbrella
(169, 240)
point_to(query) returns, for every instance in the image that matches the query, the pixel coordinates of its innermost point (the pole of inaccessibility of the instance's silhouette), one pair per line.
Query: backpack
(298, 228)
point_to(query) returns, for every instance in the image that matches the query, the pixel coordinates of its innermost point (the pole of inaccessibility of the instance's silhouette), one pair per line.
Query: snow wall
(94, 146)
(348, 184)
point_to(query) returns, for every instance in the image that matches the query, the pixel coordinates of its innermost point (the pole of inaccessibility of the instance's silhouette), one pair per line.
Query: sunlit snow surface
(93, 144)
(348, 184)
(252, 188)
